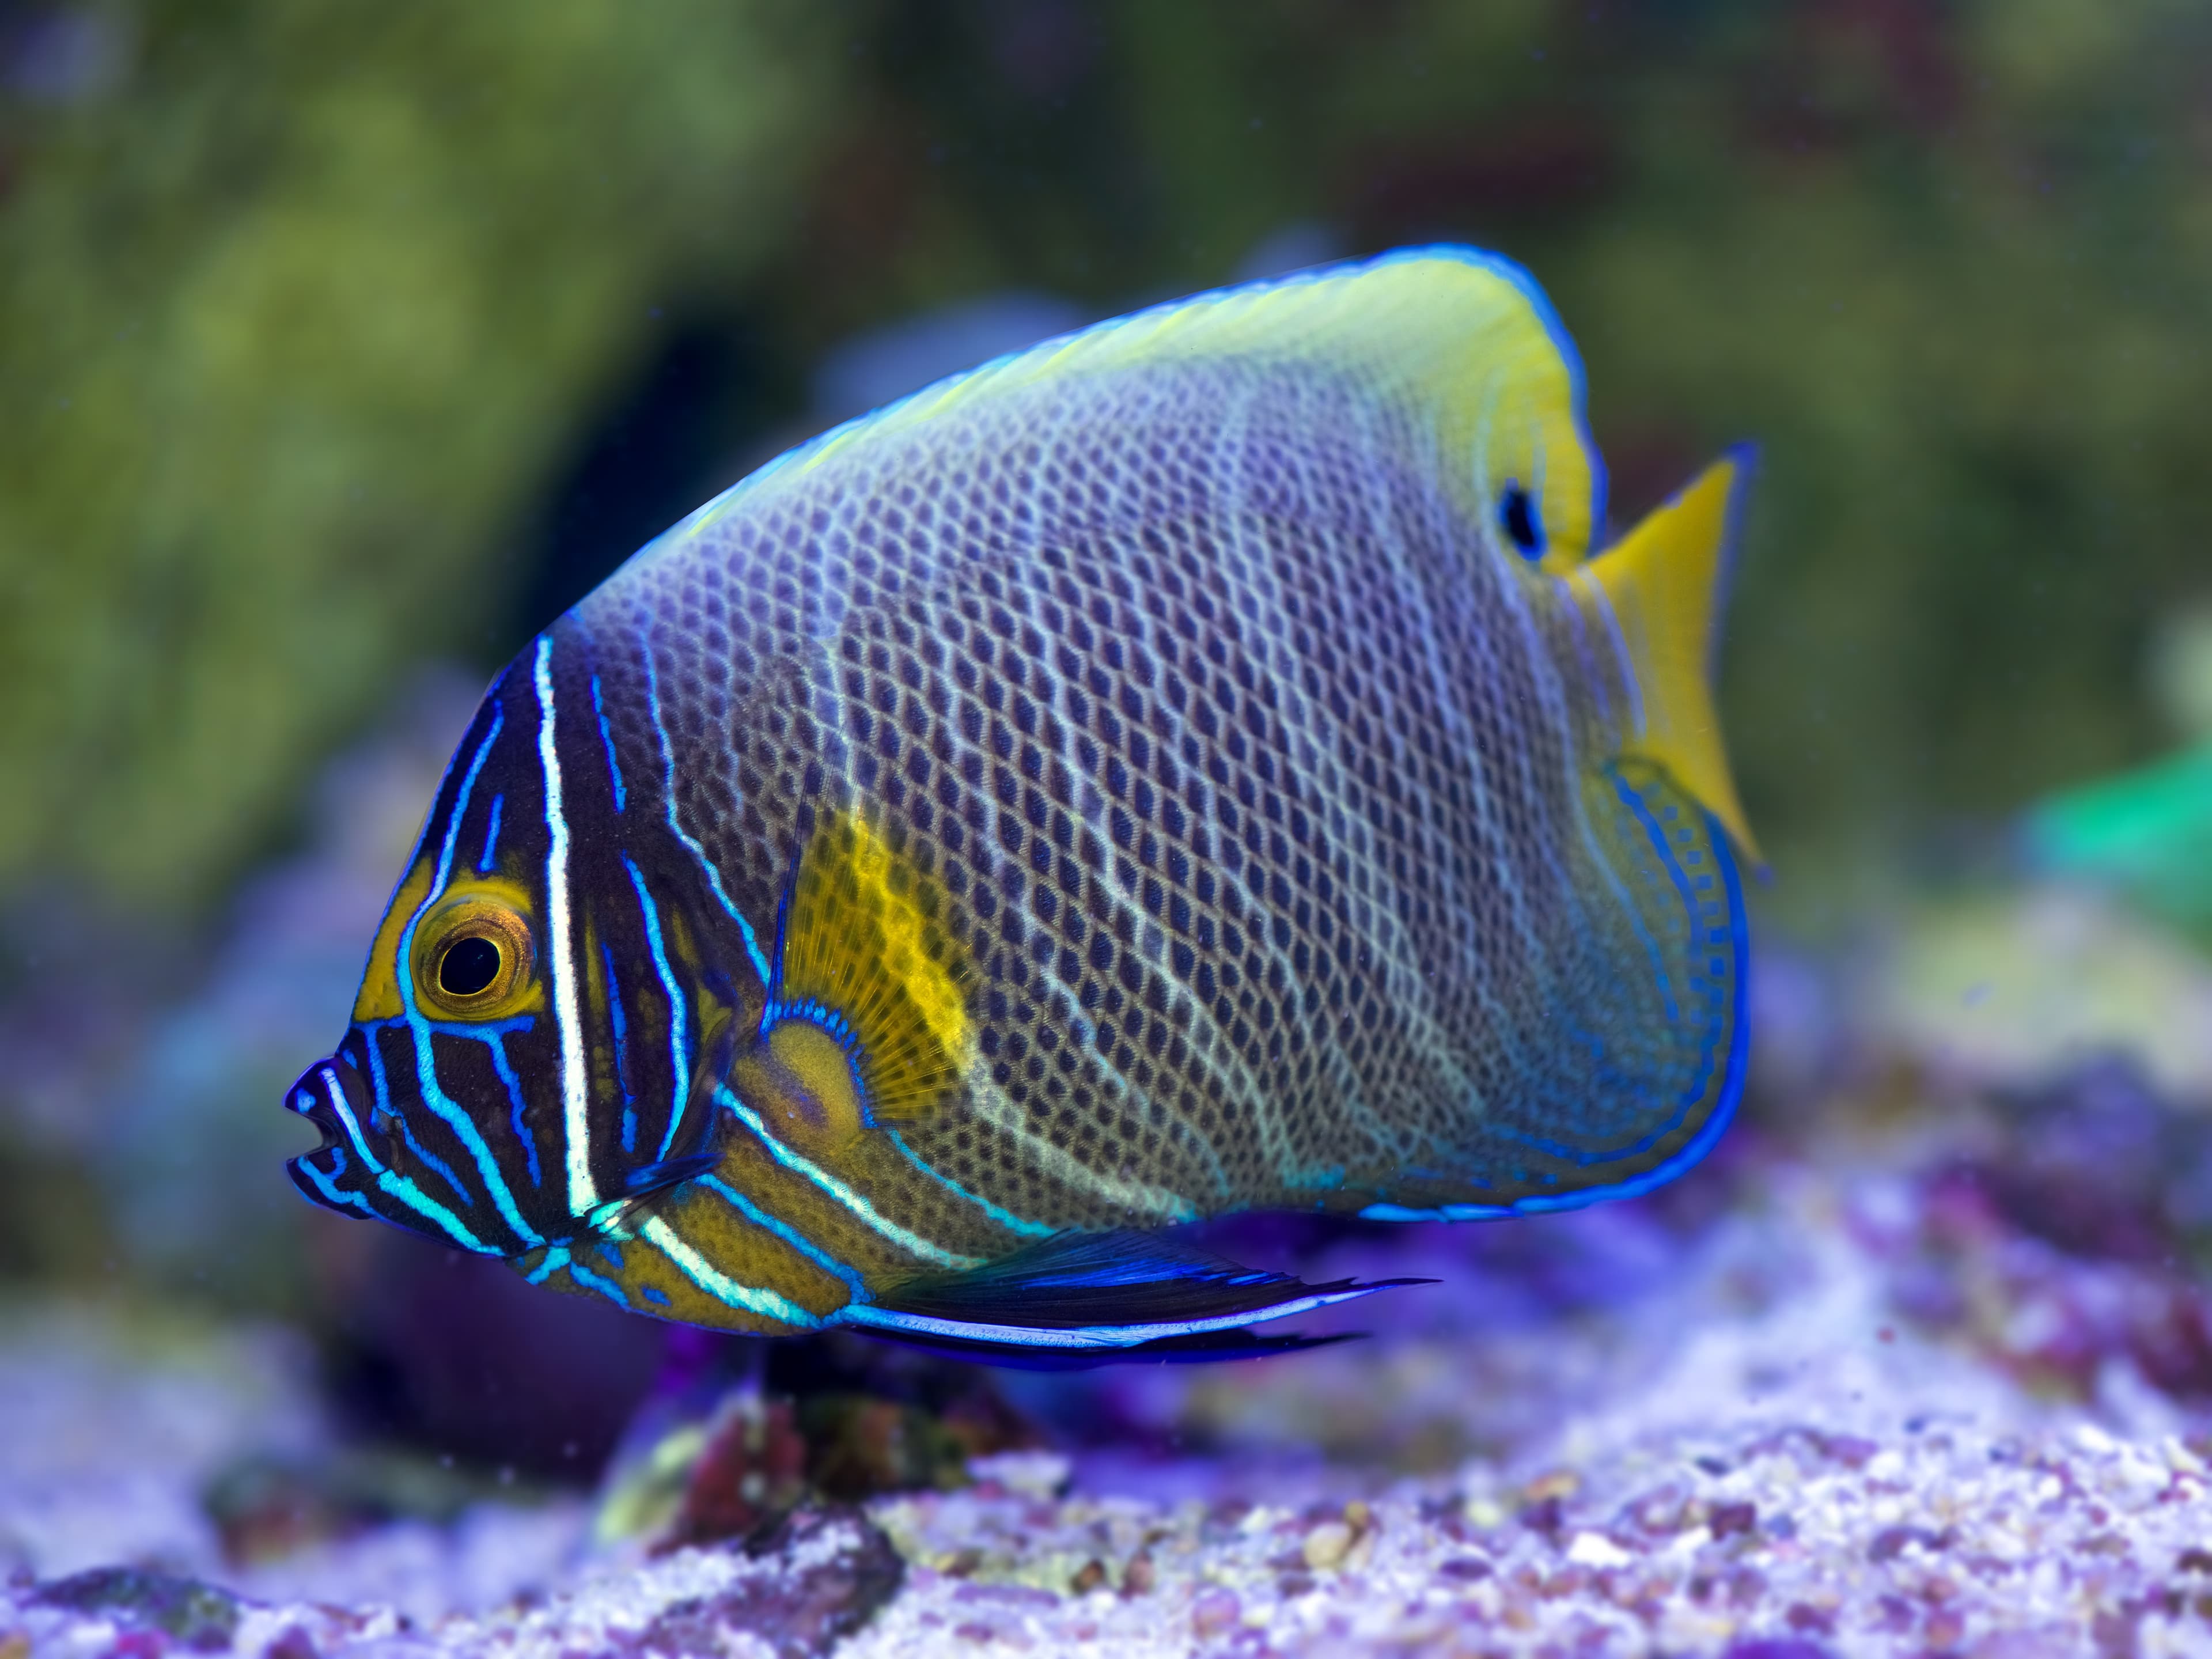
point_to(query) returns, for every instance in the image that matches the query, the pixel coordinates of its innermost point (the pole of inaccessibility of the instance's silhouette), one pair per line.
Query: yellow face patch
(379, 997)
(474, 955)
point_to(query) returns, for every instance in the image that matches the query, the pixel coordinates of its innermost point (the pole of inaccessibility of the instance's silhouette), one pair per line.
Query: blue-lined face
(520, 1064)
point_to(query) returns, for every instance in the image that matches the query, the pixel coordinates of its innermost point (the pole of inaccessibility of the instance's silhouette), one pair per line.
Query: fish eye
(472, 957)
(1517, 516)
(468, 966)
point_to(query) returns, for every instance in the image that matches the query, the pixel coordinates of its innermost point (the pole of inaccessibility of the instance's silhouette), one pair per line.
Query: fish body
(1191, 766)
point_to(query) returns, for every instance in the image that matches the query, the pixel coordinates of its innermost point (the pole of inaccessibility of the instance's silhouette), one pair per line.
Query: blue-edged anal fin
(1080, 1299)
(1659, 592)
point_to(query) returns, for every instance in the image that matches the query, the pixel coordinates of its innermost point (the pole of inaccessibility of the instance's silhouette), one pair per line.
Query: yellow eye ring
(473, 958)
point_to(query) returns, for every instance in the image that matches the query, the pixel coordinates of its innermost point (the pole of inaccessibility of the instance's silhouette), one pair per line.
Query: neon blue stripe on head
(607, 741)
(461, 806)
(437, 1213)
(433, 1096)
(491, 837)
(465, 1131)
(432, 1092)
(333, 1195)
(425, 1155)
(668, 794)
(495, 1042)
(556, 1257)
(343, 1107)
(482, 1030)
(622, 1047)
(679, 1047)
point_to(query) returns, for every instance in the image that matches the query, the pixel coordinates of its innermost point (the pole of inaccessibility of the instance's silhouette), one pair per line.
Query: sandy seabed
(1752, 1454)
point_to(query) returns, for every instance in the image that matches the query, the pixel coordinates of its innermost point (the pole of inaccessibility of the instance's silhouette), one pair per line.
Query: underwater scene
(1124, 829)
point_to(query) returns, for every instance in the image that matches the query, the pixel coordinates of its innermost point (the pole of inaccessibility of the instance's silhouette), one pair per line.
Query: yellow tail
(1662, 585)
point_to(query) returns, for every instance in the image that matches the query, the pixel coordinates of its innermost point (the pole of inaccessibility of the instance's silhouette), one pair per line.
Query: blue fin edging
(1081, 1299)
(1703, 1142)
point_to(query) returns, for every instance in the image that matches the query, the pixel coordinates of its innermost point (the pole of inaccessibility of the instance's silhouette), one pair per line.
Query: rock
(750, 1469)
(200, 1617)
(1327, 1545)
(811, 1601)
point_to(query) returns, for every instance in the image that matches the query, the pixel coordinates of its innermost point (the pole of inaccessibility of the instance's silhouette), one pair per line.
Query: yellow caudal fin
(1662, 585)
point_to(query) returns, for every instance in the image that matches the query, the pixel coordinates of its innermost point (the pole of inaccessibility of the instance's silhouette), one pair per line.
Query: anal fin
(1079, 1299)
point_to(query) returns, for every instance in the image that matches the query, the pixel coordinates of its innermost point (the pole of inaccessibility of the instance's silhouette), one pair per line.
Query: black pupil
(1518, 514)
(468, 967)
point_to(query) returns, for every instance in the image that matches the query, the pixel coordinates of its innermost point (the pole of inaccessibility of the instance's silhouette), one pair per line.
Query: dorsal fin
(1459, 366)
(1662, 586)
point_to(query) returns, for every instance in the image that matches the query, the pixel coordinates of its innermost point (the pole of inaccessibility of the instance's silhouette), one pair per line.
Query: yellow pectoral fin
(1660, 587)
(866, 949)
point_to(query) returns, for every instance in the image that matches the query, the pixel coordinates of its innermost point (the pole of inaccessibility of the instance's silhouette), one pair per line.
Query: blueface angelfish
(1198, 764)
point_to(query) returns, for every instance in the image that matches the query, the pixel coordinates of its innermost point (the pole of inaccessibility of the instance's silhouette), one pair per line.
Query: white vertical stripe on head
(583, 1196)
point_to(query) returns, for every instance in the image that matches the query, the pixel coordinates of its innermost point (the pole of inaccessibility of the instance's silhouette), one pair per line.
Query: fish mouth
(333, 1095)
(368, 1165)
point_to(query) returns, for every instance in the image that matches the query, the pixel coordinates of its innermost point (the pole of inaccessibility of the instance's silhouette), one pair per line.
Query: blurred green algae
(301, 307)
(295, 303)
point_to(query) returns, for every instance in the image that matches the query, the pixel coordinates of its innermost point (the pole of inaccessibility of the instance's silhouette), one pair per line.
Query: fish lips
(334, 1096)
(369, 1166)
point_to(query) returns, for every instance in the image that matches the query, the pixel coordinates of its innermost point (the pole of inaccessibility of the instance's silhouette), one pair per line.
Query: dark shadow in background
(695, 413)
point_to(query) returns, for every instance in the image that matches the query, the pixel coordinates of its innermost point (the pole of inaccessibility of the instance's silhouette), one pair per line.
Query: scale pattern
(1288, 861)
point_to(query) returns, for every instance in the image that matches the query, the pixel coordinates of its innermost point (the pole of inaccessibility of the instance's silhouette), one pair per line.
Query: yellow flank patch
(378, 998)
(749, 1252)
(863, 942)
(1660, 587)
